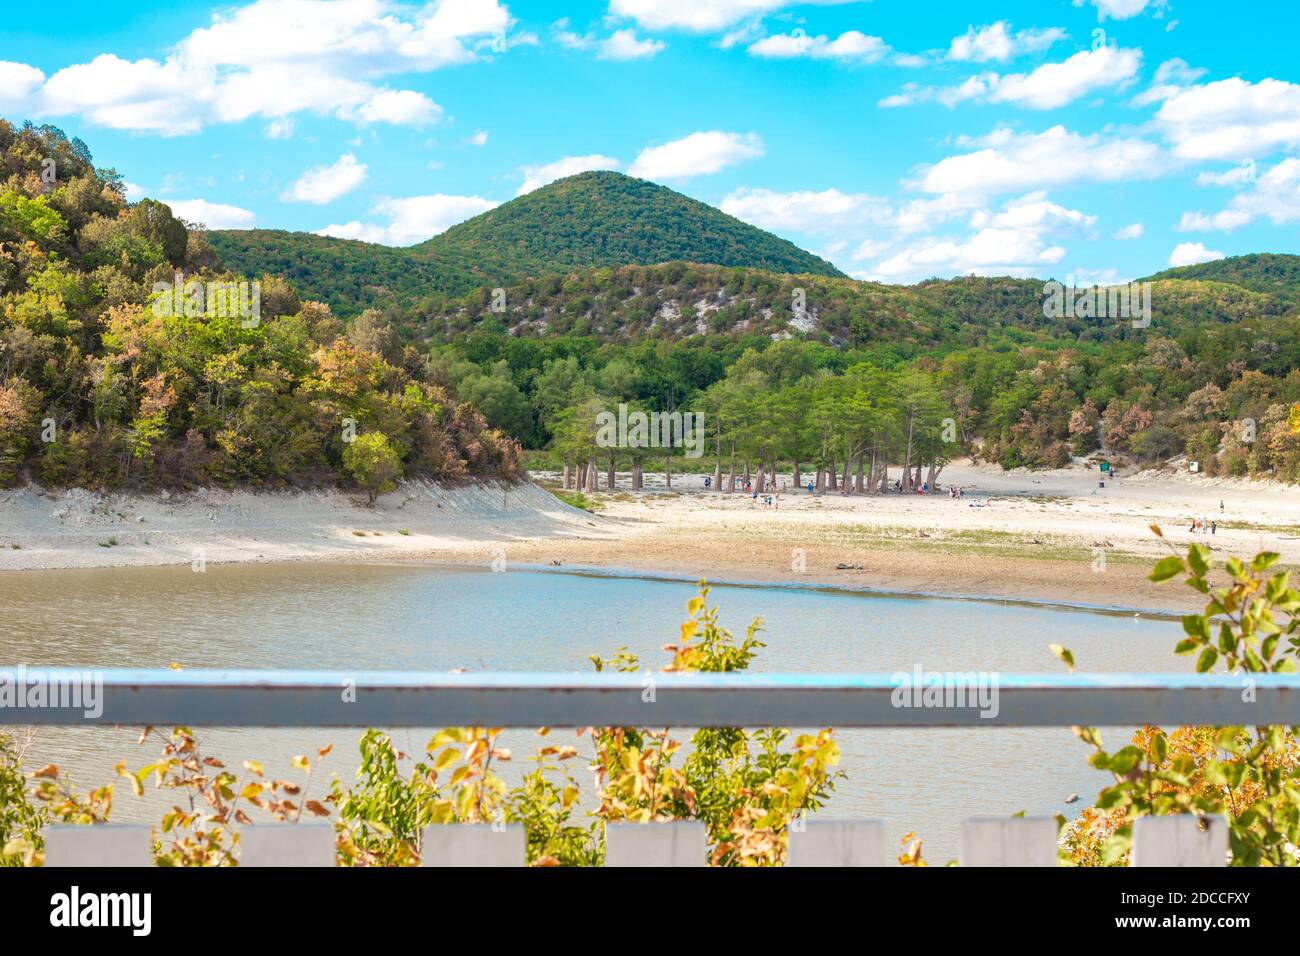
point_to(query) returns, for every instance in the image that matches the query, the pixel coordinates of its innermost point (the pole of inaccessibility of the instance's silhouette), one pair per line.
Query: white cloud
(700, 16)
(1013, 161)
(1273, 195)
(620, 45)
(805, 211)
(1232, 119)
(625, 45)
(479, 138)
(695, 155)
(1238, 175)
(211, 214)
(1035, 213)
(280, 128)
(990, 251)
(323, 184)
(17, 81)
(270, 59)
(1122, 9)
(1049, 86)
(134, 191)
(1225, 221)
(398, 107)
(538, 176)
(1190, 253)
(412, 220)
(1055, 84)
(1133, 230)
(851, 45)
(1172, 77)
(996, 42)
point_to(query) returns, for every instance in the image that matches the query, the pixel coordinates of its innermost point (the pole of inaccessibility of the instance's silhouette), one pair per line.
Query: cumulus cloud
(806, 210)
(1272, 195)
(697, 16)
(695, 155)
(1010, 160)
(1232, 119)
(322, 184)
(1223, 221)
(1049, 86)
(1123, 9)
(214, 215)
(538, 176)
(1191, 253)
(620, 45)
(921, 237)
(996, 42)
(850, 45)
(269, 59)
(1171, 77)
(990, 251)
(412, 219)
(1133, 230)
(625, 45)
(1037, 214)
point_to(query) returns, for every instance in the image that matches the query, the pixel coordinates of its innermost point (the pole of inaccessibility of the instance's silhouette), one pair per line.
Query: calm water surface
(421, 618)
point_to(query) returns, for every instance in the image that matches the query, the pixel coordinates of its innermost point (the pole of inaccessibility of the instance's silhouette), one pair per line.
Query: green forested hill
(606, 218)
(1275, 273)
(593, 219)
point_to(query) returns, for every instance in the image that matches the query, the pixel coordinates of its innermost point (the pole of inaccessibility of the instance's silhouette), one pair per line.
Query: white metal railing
(390, 699)
(247, 698)
(1179, 841)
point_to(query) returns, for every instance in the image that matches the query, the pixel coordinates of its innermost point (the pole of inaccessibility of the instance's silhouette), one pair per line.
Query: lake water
(408, 617)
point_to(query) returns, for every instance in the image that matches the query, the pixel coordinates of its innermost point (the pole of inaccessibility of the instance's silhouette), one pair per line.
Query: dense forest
(100, 386)
(592, 219)
(838, 379)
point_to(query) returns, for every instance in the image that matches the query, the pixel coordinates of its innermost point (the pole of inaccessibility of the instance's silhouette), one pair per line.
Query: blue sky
(1099, 139)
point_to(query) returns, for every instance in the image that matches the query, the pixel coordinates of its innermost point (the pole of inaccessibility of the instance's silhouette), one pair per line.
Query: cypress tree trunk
(731, 478)
(758, 480)
(798, 478)
(861, 477)
(567, 476)
(609, 473)
(636, 474)
(844, 483)
(668, 469)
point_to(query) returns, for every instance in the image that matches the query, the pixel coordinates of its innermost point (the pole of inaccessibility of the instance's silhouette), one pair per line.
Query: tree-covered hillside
(110, 376)
(592, 219)
(1274, 273)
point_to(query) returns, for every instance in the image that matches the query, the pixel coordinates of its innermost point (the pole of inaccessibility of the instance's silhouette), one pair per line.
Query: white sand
(77, 529)
(1016, 534)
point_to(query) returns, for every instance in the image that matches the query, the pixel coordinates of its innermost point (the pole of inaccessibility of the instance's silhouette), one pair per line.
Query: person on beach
(1214, 527)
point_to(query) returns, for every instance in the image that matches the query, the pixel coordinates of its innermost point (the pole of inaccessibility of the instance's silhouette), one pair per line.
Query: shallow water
(407, 617)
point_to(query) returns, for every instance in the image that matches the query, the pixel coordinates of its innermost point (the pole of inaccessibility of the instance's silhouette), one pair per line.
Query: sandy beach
(1044, 536)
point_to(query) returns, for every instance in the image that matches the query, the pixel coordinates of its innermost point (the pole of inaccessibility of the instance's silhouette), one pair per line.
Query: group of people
(954, 491)
(1204, 526)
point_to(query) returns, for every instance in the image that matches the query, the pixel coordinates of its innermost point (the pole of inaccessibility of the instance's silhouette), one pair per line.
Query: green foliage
(584, 221)
(136, 396)
(1250, 776)
(746, 787)
(21, 820)
(371, 460)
